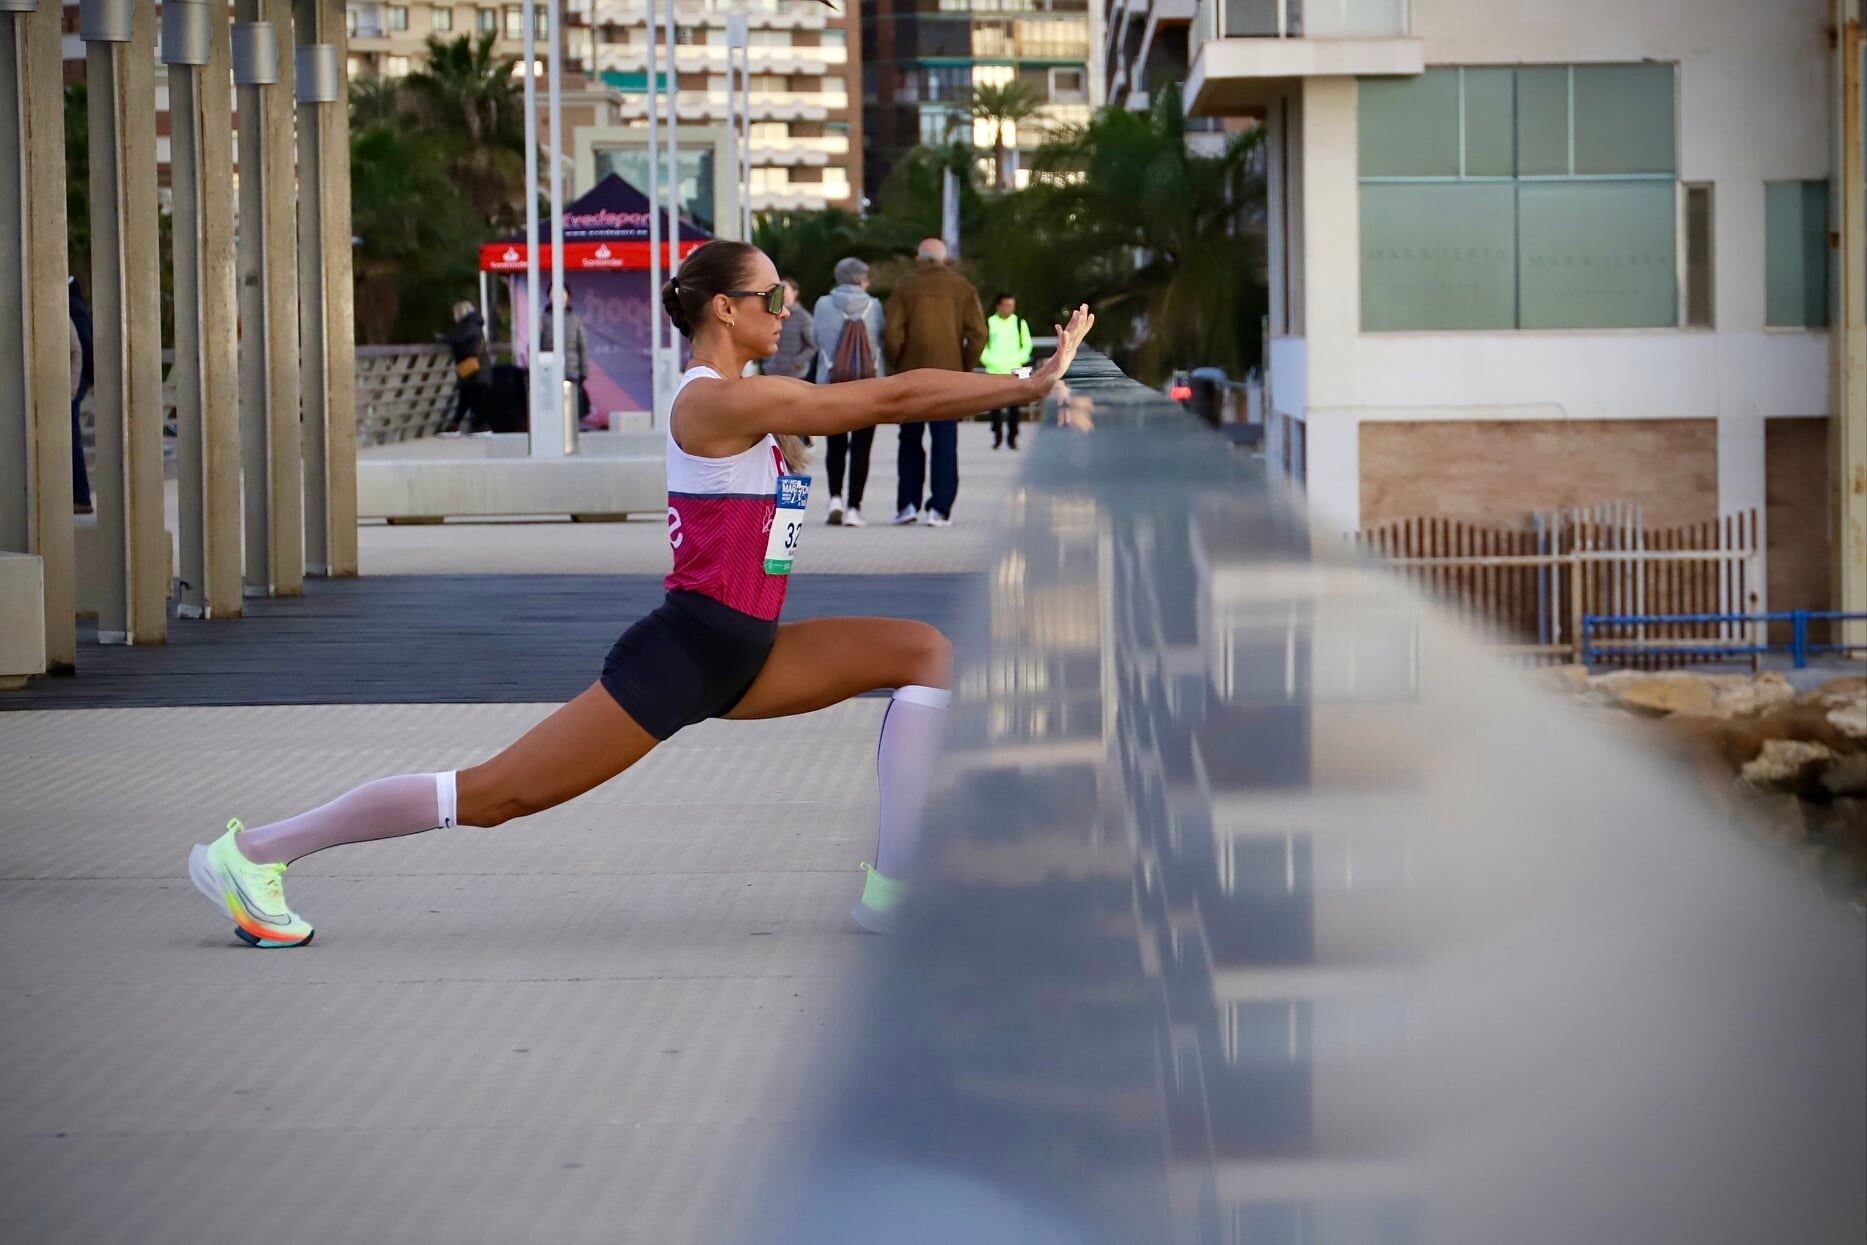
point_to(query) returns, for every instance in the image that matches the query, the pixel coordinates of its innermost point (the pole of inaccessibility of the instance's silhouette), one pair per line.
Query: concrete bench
(613, 474)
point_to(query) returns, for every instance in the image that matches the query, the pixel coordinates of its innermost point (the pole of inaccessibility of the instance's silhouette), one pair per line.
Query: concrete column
(120, 60)
(1848, 438)
(195, 46)
(35, 393)
(326, 318)
(270, 444)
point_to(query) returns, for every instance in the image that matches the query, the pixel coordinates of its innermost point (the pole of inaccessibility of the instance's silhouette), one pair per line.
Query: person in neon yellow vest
(1007, 348)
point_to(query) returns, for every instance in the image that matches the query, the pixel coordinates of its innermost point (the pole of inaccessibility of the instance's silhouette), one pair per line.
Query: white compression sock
(384, 809)
(903, 764)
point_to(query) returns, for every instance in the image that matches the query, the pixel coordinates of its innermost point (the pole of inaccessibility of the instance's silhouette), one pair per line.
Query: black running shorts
(690, 660)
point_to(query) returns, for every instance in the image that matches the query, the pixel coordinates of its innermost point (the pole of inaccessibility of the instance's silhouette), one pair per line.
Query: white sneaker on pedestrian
(936, 519)
(853, 518)
(836, 511)
(908, 515)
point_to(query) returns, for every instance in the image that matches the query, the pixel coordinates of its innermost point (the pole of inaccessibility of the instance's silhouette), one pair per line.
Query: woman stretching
(714, 648)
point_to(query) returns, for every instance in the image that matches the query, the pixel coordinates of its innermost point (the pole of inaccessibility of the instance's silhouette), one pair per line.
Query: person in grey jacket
(849, 301)
(797, 345)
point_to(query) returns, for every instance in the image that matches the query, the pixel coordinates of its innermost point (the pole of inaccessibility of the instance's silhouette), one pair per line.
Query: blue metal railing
(1800, 648)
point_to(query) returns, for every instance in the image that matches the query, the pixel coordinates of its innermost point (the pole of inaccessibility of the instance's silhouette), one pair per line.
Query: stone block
(22, 618)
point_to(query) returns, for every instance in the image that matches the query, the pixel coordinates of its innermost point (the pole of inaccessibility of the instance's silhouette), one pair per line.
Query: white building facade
(1533, 256)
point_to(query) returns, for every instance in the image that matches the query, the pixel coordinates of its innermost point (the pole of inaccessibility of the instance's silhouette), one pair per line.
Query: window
(833, 37)
(1795, 227)
(398, 17)
(440, 19)
(1700, 302)
(1068, 86)
(768, 39)
(395, 66)
(770, 132)
(515, 23)
(486, 20)
(1541, 197)
(770, 82)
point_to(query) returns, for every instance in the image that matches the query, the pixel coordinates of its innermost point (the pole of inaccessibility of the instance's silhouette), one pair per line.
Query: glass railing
(1304, 19)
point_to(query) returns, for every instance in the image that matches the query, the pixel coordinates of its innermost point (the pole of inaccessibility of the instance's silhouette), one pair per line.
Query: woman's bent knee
(930, 658)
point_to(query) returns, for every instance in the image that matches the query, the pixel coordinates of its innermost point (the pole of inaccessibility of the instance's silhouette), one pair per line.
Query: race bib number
(787, 524)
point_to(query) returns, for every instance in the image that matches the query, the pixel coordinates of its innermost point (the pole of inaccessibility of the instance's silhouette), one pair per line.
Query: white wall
(1753, 108)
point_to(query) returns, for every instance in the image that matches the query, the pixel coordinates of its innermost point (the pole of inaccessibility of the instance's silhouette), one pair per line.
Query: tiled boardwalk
(588, 1026)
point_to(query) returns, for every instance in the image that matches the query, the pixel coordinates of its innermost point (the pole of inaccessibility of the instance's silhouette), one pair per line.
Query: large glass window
(1795, 224)
(1539, 197)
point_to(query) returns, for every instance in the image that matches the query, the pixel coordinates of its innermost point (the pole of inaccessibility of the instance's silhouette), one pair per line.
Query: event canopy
(604, 231)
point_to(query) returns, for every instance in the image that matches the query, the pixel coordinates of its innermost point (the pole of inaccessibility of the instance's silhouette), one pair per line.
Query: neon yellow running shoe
(883, 898)
(253, 896)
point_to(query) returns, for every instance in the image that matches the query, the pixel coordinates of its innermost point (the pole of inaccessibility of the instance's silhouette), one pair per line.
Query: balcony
(1245, 52)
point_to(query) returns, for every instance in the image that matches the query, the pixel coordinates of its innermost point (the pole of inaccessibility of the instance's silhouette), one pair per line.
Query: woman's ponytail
(671, 303)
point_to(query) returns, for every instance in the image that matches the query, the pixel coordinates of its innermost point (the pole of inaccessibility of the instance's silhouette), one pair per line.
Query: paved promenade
(589, 1026)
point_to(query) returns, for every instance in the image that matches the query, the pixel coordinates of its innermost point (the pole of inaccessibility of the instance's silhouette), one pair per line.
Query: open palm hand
(1069, 337)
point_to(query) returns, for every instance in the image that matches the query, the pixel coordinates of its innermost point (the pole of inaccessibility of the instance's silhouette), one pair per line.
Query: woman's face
(755, 330)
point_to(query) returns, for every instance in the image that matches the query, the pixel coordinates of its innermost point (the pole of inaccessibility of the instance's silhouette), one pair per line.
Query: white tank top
(719, 518)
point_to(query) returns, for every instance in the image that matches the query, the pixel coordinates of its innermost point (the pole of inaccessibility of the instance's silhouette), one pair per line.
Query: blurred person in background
(849, 341)
(797, 343)
(933, 320)
(473, 365)
(1007, 349)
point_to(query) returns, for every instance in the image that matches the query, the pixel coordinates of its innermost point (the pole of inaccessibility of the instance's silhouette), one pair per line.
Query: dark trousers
(1006, 419)
(80, 478)
(855, 447)
(912, 465)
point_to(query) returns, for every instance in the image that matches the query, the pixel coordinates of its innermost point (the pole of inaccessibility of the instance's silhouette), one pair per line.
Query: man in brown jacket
(933, 319)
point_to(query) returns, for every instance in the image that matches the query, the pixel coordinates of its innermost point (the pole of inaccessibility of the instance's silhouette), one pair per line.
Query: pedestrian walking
(473, 364)
(714, 648)
(1007, 349)
(84, 376)
(797, 343)
(933, 321)
(849, 328)
(576, 350)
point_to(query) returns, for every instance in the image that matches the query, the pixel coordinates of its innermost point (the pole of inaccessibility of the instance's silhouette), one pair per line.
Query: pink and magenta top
(720, 513)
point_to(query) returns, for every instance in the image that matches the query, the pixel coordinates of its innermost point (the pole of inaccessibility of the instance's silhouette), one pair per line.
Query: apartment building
(1525, 257)
(923, 58)
(806, 115)
(1145, 49)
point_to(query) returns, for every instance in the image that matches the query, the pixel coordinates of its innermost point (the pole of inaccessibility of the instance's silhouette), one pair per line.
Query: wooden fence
(1531, 585)
(403, 392)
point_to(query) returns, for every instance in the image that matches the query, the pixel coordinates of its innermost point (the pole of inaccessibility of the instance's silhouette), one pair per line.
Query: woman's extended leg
(580, 746)
(820, 663)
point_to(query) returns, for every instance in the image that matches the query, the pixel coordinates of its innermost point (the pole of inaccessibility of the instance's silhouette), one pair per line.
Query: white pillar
(35, 409)
(542, 442)
(564, 414)
(196, 50)
(655, 315)
(270, 436)
(132, 540)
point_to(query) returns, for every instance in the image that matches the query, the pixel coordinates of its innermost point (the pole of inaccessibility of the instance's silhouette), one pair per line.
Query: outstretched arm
(728, 414)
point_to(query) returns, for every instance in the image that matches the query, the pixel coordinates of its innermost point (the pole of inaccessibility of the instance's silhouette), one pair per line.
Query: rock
(1847, 776)
(1786, 765)
(1657, 695)
(1850, 720)
(1753, 696)
(1849, 690)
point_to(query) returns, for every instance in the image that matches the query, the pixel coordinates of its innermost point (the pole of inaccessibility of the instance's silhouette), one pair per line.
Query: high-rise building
(806, 116)
(923, 58)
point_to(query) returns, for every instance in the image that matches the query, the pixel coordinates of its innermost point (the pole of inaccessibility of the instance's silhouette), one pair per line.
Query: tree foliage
(1165, 243)
(436, 168)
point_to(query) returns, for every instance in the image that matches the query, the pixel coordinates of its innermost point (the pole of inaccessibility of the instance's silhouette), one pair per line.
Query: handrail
(1799, 646)
(1305, 19)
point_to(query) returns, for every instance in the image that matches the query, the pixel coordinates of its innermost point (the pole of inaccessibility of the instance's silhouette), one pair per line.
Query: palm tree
(999, 105)
(1165, 244)
(469, 98)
